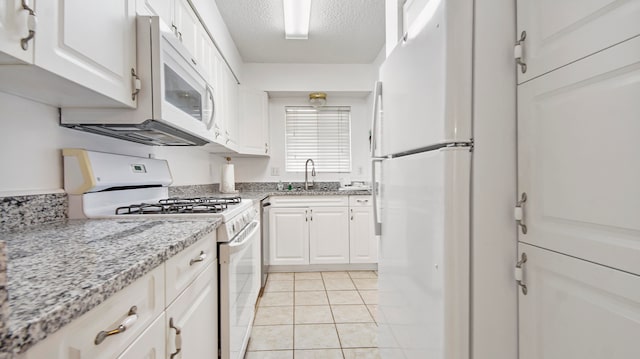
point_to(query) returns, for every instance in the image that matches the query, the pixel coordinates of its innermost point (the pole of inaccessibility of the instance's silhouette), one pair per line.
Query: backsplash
(193, 190)
(4, 297)
(199, 190)
(271, 186)
(17, 212)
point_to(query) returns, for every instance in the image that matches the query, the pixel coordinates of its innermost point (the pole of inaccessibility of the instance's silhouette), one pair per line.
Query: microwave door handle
(213, 107)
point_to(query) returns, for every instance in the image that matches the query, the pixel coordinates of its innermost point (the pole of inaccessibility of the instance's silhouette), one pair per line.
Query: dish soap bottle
(290, 186)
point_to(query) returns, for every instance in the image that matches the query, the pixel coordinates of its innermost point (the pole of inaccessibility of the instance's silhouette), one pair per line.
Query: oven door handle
(246, 236)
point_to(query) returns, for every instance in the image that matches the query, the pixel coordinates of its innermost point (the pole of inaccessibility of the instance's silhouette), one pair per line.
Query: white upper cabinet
(14, 29)
(561, 32)
(90, 43)
(253, 122)
(186, 25)
(161, 8)
(83, 52)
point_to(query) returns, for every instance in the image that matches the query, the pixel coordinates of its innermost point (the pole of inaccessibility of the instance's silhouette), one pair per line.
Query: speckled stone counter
(17, 212)
(59, 271)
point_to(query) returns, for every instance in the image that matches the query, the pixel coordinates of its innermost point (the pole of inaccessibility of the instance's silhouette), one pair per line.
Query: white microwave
(176, 105)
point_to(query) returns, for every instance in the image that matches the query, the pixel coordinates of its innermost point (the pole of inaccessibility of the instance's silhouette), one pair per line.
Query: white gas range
(103, 185)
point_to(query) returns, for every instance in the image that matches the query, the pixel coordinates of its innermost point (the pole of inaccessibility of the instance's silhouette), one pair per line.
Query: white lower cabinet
(363, 244)
(187, 328)
(328, 235)
(150, 344)
(321, 230)
(77, 340)
(192, 320)
(289, 236)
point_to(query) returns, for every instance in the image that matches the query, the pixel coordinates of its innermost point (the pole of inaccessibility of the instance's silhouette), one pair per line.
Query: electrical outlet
(275, 171)
(359, 170)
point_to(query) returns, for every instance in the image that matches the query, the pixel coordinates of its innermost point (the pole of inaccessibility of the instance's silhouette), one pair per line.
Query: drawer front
(182, 269)
(309, 201)
(77, 340)
(360, 201)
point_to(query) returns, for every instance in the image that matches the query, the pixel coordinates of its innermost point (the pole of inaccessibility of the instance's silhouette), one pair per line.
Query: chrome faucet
(306, 174)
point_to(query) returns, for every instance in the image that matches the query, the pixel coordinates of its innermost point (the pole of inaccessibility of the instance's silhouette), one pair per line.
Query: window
(322, 134)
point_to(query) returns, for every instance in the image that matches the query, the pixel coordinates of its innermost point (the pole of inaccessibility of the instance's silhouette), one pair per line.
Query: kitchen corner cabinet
(363, 241)
(253, 122)
(77, 46)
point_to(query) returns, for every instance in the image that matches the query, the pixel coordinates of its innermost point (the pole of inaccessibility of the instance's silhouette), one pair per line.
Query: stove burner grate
(180, 206)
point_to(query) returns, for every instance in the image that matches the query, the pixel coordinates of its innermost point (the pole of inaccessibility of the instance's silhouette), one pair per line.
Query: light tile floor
(317, 315)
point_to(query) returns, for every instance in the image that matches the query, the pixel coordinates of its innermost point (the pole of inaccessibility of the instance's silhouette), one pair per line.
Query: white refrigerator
(422, 152)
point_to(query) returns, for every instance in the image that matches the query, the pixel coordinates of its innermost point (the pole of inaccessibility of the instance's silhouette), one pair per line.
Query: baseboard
(322, 267)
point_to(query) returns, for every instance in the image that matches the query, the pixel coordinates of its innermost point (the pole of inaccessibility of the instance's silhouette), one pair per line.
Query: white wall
(259, 169)
(310, 77)
(30, 157)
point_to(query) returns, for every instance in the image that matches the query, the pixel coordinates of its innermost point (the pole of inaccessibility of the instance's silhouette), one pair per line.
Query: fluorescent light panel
(296, 19)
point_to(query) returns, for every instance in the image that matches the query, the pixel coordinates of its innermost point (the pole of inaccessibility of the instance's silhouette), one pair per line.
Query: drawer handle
(200, 258)
(178, 338)
(131, 318)
(362, 200)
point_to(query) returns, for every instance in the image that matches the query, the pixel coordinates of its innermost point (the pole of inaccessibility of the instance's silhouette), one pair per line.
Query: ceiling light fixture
(296, 19)
(317, 99)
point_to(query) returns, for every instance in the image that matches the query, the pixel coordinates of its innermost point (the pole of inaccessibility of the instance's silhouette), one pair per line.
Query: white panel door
(577, 309)
(253, 121)
(187, 24)
(195, 315)
(560, 32)
(13, 28)
(578, 148)
(150, 344)
(288, 236)
(424, 255)
(328, 235)
(92, 43)
(363, 243)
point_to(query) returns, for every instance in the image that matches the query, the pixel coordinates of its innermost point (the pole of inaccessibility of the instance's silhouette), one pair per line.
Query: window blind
(322, 134)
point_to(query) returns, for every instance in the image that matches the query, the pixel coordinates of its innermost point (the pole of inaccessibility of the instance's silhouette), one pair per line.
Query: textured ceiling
(340, 31)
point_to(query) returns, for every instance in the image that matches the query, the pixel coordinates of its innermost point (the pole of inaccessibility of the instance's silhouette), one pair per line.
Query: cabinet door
(253, 122)
(577, 309)
(161, 8)
(13, 28)
(363, 243)
(328, 235)
(194, 315)
(92, 43)
(561, 32)
(231, 112)
(288, 236)
(578, 155)
(187, 24)
(150, 344)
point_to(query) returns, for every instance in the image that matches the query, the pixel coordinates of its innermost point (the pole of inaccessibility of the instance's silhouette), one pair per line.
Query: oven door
(239, 287)
(186, 99)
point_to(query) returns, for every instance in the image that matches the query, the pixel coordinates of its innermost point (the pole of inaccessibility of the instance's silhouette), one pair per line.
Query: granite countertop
(59, 271)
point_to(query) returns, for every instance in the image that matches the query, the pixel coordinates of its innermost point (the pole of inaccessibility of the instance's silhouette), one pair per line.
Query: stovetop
(195, 205)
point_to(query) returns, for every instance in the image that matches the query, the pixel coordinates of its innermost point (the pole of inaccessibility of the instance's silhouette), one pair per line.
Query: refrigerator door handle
(374, 191)
(377, 93)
